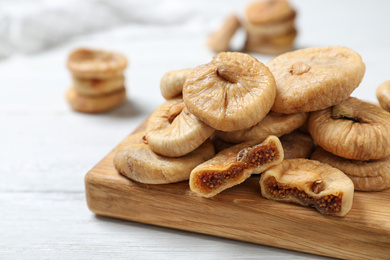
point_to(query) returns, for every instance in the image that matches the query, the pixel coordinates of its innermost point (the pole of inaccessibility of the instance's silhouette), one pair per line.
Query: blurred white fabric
(31, 26)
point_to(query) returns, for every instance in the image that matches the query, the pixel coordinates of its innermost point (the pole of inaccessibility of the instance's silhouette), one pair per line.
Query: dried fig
(297, 145)
(98, 87)
(309, 183)
(315, 78)
(171, 84)
(220, 39)
(286, 39)
(268, 48)
(95, 104)
(353, 129)
(371, 175)
(268, 11)
(135, 160)
(234, 165)
(172, 131)
(272, 124)
(232, 92)
(383, 95)
(96, 64)
(271, 29)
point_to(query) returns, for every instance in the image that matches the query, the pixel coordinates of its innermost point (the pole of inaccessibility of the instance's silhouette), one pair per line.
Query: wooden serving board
(241, 213)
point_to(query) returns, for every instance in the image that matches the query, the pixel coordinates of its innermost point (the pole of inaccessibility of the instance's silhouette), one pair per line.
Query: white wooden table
(46, 148)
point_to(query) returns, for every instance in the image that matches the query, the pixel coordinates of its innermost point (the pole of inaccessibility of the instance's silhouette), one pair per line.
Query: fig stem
(299, 68)
(228, 73)
(344, 112)
(317, 186)
(174, 111)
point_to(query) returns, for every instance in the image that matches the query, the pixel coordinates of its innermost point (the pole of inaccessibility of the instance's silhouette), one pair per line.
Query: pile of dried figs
(235, 116)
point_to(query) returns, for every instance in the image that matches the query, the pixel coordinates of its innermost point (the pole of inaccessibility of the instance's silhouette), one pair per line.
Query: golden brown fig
(95, 104)
(234, 165)
(315, 78)
(172, 131)
(98, 87)
(272, 124)
(268, 49)
(383, 95)
(271, 29)
(171, 84)
(286, 39)
(96, 64)
(309, 183)
(353, 129)
(220, 39)
(297, 145)
(232, 92)
(268, 11)
(135, 160)
(371, 175)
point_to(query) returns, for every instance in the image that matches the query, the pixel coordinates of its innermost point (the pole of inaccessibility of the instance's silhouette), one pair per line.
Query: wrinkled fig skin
(234, 165)
(171, 84)
(371, 175)
(135, 160)
(315, 78)
(280, 28)
(383, 95)
(175, 136)
(363, 134)
(232, 92)
(309, 183)
(272, 124)
(297, 145)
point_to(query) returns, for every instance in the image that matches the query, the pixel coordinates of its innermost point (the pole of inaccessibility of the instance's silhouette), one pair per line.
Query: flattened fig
(173, 131)
(96, 64)
(171, 84)
(135, 160)
(232, 92)
(309, 183)
(272, 124)
(234, 165)
(268, 11)
(371, 175)
(315, 78)
(353, 129)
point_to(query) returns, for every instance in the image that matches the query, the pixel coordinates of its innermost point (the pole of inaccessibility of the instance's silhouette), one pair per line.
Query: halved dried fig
(220, 39)
(172, 131)
(383, 95)
(171, 84)
(234, 165)
(268, 11)
(353, 129)
(232, 92)
(272, 124)
(96, 64)
(297, 145)
(135, 160)
(309, 183)
(371, 175)
(98, 87)
(315, 78)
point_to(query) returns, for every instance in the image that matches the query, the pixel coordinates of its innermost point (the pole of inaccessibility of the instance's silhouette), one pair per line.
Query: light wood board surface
(241, 213)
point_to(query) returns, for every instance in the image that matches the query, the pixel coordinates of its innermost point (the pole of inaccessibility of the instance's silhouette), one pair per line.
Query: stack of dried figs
(98, 80)
(222, 121)
(269, 26)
